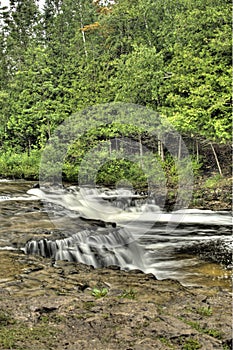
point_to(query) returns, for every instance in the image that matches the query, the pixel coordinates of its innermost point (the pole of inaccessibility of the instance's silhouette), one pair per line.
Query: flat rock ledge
(47, 305)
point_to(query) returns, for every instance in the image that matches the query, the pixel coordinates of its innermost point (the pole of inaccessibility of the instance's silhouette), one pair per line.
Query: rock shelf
(47, 305)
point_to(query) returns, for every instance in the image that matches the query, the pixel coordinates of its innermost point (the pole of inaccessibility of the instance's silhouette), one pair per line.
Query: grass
(213, 181)
(205, 311)
(88, 305)
(184, 343)
(128, 294)
(166, 342)
(18, 335)
(52, 318)
(210, 331)
(5, 319)
(191, 344)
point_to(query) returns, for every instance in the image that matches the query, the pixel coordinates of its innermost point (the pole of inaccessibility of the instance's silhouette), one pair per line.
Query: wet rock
(151, 276)
(219, 251)
(114, 267)
(135, 271)
(36, 185)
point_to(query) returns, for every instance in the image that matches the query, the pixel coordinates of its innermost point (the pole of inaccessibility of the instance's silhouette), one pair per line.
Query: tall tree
(139, 75)
(36, 108)
(23, 27)
(197, 95)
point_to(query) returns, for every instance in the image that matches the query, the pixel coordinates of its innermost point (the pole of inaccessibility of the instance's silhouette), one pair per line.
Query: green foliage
(129, 294)
(226, 347)
(210, 331)
(196, 97)
(99, 293)
(114, 171)
(139, 76)
(166, 342)
(20, 165)
(77, 54)
(191, 344)
(205, 311)
(13, 333)
(213, 181)
(5, 319)
(14, 337)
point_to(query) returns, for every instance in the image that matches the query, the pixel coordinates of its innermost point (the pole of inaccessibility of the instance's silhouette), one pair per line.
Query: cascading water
(103, 246)
(100, 227)
(140, 224)
(92, 248)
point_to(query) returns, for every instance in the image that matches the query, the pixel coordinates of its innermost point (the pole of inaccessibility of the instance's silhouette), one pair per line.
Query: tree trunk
(48, 130)
(110, 147)
(116, 144)
(83, 33)
(216, 158)
(29, 147)
(179, 148)
(160, 150)
(140, 149)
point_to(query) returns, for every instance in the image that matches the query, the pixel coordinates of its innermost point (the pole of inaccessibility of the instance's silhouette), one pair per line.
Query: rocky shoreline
(47, 305)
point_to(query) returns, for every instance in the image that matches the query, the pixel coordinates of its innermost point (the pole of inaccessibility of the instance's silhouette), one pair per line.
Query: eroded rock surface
(47, 305)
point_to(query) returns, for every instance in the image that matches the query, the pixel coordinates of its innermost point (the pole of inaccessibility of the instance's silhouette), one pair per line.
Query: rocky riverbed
(48, 305)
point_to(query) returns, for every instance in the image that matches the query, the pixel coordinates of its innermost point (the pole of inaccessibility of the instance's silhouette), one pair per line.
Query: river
(145, 237)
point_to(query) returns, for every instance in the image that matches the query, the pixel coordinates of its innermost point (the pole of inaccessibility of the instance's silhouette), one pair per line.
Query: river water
(56, 224)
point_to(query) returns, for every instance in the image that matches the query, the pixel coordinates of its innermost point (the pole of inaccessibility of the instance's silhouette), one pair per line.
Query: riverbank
(213, 192)
(210, 191)
(72, 306)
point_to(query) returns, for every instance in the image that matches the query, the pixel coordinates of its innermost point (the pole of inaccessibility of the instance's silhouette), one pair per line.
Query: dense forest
(172, 56)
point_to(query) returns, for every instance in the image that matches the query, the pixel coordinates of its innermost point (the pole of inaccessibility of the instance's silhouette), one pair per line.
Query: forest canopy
(171, 56)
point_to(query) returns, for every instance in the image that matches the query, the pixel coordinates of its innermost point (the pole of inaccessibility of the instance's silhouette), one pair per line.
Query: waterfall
(122, 228)
(91, 247)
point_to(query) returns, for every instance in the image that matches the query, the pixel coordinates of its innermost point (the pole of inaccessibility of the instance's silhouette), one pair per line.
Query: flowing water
(100, 227)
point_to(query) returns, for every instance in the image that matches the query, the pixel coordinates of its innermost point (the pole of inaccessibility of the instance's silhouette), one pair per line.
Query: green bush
(20, 165)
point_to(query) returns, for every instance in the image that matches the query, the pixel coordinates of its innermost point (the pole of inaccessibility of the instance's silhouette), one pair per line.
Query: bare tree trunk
(29, 147)
(146, 25)
(160, 150)
(179, 148)
(84, 43)
(116, 144)
(140, 149)
(197, 148)
(216, 158)
(83, 33)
